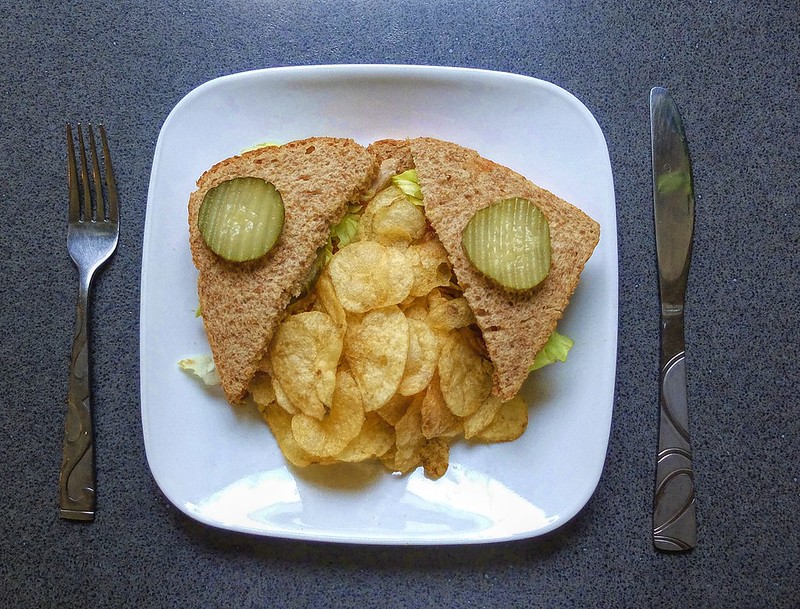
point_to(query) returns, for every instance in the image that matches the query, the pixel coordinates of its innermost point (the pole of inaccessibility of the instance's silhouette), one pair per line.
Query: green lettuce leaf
(261, 145)
(407, 182)
(554, 350)
(202, 367)
(345, 231)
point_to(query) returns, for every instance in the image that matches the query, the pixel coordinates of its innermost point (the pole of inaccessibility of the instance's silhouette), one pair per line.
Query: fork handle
(77, 479)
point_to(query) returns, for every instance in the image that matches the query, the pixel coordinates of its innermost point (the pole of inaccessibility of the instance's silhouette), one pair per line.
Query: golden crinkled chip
(480, 419)
(416, 308)
(387, 458)
(430, 265)
(509, 423)
(305, 354)
(437, 419)
(399, 222)
(376, 348)
(475, 339)
(367, 275)
(449, 313)
(435, 457)
(328, 302)
(408, 439)
(261, 390)
(389, 218)
(282, 399)
(423, 353)
(393, 410)
(340, 425)
(280, 422)
(373, 441)
(464, 376)
(383, 199)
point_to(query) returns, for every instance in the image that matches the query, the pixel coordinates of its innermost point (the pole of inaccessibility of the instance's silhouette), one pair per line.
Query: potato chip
(280, 422)
(465, 377)
(376, 348)
(437, 419)
(381, 199)
(480, 419)
(449, 313)
(393, 410)
(416, 308)
(474, 337)
(423, 353)
(399, 222)
(261, 390)
(388, 218)
(509, 423)
(435, 457)
(367, 275)
(430, 265)
(408, 439)
(373, 441)
(340, 425)
(328, 302)
(388, 457)
(282, 399)
(304, 354)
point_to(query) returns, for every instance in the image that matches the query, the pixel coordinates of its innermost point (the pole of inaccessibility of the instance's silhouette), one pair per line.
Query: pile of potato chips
(381, 359)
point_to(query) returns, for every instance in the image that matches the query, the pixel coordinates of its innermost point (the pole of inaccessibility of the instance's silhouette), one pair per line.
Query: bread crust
(243, 303)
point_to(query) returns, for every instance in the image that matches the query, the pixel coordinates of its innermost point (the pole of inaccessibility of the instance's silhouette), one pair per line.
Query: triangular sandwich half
(456, 182)
(242, 303)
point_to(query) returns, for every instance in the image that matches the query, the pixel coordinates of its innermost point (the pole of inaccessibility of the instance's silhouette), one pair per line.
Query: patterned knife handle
(674, 521)
(77, 479)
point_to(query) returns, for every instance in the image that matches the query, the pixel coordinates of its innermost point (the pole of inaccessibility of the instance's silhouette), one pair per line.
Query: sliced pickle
(241, 219)
(509, 242)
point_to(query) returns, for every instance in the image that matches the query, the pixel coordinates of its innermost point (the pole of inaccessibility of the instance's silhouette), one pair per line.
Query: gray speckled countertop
(733, 69)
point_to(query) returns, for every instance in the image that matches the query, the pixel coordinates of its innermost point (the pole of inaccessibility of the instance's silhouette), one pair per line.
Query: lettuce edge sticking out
(555, 350)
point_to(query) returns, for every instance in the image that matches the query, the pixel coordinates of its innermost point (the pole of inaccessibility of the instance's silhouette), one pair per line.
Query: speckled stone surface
(734, 70)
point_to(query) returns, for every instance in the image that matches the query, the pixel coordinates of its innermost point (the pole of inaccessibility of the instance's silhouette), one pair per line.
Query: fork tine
(111, 184)
(87, 198)
(99, 203)
(72, 179)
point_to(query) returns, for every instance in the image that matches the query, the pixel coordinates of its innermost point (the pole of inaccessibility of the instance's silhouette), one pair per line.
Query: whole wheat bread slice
(243, 303)
(456, 182)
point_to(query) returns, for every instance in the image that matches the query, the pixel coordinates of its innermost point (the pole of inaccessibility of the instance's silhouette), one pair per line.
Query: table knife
(674, 520)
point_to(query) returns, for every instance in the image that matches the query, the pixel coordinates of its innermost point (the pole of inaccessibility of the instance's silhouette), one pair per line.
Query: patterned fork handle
(77, 480)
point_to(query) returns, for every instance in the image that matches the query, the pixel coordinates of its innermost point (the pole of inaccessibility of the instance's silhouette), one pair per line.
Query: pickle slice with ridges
(241, 219)
(509, 242)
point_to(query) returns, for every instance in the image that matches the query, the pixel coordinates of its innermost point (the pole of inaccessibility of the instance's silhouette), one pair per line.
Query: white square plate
(221, 465)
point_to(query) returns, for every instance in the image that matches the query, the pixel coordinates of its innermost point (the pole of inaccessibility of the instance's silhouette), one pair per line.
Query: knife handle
(674, 519)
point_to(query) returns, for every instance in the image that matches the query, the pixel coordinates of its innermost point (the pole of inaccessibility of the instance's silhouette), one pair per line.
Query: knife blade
(674, 517)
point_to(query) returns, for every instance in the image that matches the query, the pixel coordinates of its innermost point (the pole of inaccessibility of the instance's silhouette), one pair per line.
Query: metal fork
(92, 237)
